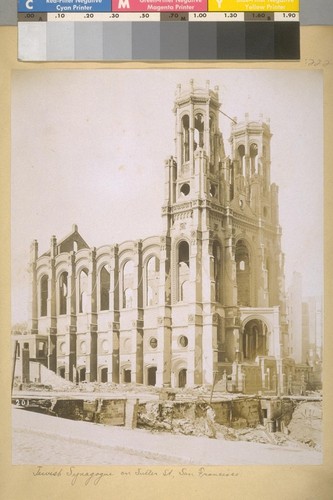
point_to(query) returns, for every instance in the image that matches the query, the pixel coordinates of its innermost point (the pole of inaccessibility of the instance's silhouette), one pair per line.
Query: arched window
(152, 281)
(151, 375)
(82, 374)
(217, 271)
(104, 375)
(184, 253)
(199, 127)
(243, 274)
(182, 377)
(183, 270)
(186, 137)
(128, 284)
(104, 283)
(254, 158)
(83, 291)
(241, 159)
(44, 293)
(63, 293)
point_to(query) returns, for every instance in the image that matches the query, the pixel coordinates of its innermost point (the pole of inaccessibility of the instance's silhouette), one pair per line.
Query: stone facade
(183, 307)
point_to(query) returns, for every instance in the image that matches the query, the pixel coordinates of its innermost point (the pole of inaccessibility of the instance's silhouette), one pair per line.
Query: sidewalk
(187, 450)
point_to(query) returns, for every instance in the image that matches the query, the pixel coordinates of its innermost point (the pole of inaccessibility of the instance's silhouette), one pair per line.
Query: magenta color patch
(159, 6)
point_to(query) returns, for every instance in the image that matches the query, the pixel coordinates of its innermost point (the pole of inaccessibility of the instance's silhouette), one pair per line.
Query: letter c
(29, 4)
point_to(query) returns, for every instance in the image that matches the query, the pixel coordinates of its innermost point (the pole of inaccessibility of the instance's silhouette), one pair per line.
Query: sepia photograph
(167, 267)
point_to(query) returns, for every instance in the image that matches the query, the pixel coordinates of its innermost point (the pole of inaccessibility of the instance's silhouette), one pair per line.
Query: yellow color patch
(253, 5)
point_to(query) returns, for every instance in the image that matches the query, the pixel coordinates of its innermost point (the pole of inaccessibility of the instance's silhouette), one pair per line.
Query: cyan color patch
(88, 41)
(60, 42)
(117, 41)
(146, 40)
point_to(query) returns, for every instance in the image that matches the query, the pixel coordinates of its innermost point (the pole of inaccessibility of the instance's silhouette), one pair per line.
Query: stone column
(52, 349)
(163, 374)
(25, 363)
(230, 293)
(91, 373)
(70, 363)
(137, 324)
(70, 373)
(210, 318)
(194, 369)
(114, 332)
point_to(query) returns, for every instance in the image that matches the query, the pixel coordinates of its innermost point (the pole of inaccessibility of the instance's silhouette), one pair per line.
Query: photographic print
(167, 267)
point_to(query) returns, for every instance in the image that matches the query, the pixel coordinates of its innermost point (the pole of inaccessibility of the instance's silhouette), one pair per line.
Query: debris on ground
(173, 411)
(306, 424)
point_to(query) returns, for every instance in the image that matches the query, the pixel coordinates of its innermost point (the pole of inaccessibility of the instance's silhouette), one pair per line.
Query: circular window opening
(83, 347)
(183, 341)
(212, 190)
(241, 203)
(153, 343)
(185, 189)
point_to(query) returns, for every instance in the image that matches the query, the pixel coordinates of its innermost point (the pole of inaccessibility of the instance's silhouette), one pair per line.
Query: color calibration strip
(128, 30)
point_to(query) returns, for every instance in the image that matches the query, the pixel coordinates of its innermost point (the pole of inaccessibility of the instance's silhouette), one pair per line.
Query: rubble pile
(189, 411)
(306, 424)
(199, 419)
(178, 418)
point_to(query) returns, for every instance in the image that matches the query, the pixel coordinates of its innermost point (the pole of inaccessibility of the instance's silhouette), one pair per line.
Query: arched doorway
(127, 375)
(104, 375)
(255, 339)
(61, 371)
(182, 376)
(82, 374)
(151, 375)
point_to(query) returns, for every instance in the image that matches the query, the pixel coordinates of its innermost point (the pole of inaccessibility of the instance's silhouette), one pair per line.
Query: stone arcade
(201, 302)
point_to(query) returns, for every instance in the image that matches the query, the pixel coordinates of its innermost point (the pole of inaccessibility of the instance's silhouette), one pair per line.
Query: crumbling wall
(89, 410)
(185, 418)
(222, 410)
(246, 412)
(103, 411)
(69, 408)
(198, 418)
(111, 411)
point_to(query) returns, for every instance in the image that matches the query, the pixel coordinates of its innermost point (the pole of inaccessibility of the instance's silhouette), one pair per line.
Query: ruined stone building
(201, 301)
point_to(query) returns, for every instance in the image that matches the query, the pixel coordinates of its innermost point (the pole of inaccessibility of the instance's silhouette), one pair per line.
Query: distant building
(305, 328)
(202, 301)
(305, 325)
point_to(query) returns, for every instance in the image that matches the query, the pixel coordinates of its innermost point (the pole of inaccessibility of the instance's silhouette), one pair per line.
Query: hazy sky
(88, 147)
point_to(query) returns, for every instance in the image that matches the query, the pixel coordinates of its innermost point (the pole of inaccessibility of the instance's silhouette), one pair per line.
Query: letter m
(123, 4)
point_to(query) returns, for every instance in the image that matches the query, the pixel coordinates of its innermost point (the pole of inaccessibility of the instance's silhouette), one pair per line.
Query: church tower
(195, 197)
(221, 215)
